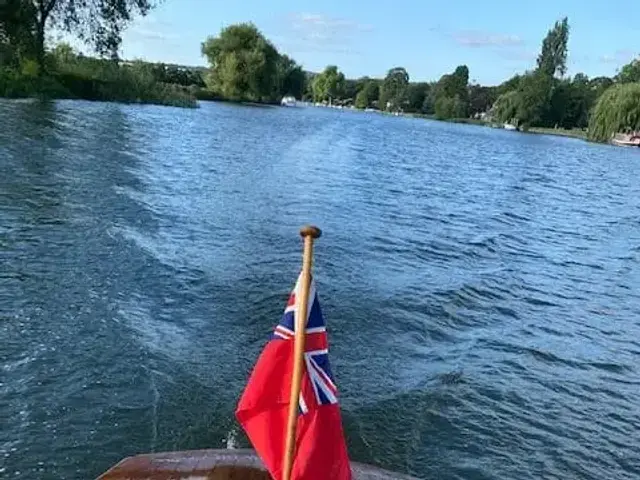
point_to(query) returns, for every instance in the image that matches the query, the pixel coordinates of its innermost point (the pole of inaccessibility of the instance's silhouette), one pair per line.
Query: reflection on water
(481, 287)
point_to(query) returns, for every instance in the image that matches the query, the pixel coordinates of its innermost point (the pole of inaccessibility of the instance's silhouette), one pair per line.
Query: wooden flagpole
(309, 233)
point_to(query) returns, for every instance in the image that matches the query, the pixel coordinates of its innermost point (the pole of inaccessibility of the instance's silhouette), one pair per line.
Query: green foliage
(94, 79)
(450, 108)
(101, 22)
(368, 95)
(451, 94)
(393, 89)
(17, 31)
(23, 25)
(599, 85)
(429, 104)
(416, 96)
(290, 78)
(481, 99)
(29, 69)
(535, 93)
(455, 83)
(351, 89)
(506, 106)
(179, 75)
(617, 110)
(509, 85)
(553, 55)
(328, 85)
(244, 64)
(538, 99)
(630, 72)
(72, 76)
(571, 102)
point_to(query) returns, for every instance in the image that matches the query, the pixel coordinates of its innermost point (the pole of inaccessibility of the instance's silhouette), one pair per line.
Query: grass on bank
(572, 133)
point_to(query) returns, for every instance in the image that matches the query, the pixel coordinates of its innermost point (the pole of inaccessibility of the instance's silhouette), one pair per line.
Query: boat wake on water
(231, 441)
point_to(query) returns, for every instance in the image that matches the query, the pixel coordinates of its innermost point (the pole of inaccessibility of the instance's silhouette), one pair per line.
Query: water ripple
(481, 286)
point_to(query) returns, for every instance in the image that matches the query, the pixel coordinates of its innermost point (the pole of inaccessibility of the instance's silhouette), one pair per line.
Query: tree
(350, 89)
(481, 99)
(571, 101)
(455, 83)
(535, 101)
(630, 72)
(599, 85)
(506, 107)
(63, 53)
(577, 107)
(393, 89)
(243, 63)
(450, 107)
(99, 22)
(329, 85)
(17, 31)
(416, 95)
(368, 95)
(509, 85)
(290, 78)
(553, 55)
(617, 110)
(454, 88)
(535, 93)
(308, 86)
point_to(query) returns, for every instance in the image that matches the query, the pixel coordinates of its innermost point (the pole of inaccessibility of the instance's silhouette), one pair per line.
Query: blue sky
(495, 38)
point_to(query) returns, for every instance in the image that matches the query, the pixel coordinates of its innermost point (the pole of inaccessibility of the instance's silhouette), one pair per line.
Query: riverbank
(581, 134)
(112, 83)
(561, 132)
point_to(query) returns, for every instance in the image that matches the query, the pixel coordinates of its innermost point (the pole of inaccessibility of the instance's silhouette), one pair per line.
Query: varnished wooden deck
(214, 465)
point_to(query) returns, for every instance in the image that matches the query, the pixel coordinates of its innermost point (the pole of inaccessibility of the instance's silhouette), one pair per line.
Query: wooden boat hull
(214, 465)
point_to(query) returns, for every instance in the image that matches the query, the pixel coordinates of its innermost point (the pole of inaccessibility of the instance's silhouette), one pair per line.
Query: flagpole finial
(310, 231)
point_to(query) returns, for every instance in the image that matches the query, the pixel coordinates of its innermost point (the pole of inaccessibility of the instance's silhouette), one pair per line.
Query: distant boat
(289, 101)
(626, 140)
(509, 126)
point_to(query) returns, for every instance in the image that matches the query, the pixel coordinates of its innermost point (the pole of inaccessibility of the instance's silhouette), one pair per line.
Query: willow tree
(506, 107)
(617, 110)
(244, 64)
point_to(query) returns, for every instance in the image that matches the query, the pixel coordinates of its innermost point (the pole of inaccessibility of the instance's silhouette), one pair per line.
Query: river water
(481, 287)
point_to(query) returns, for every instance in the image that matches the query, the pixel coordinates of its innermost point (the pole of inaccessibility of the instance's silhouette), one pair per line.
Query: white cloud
(623, 55)
(320, 23)
(320, 32)
(479, 39)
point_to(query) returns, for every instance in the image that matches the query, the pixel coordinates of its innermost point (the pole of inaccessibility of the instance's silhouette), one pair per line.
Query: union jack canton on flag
(316, 344)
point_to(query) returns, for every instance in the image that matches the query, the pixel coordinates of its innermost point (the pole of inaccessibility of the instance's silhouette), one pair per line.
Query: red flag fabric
(321, 452)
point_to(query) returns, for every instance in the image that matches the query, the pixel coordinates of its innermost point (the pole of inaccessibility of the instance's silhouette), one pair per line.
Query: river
(481, 287)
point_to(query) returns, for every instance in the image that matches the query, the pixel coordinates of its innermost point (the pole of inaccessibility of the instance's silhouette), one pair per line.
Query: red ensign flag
(321, 453)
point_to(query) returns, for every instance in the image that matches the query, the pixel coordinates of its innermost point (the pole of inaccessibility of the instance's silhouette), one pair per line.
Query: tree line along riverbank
(244, 66)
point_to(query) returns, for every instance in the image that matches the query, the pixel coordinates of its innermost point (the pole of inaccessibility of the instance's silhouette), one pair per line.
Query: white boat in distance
(626, 140)
(289, 101)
